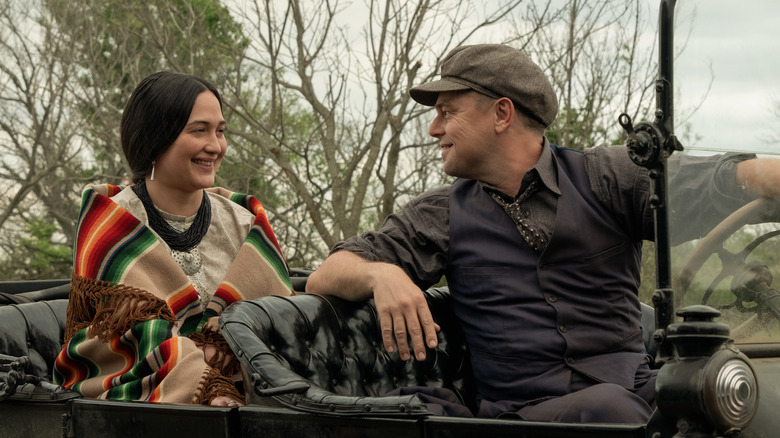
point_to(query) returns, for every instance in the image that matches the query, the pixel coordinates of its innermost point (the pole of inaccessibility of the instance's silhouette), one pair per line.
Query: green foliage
(248, 166)
(712, 285)
(320, 128)
(38, 255)
(119, 43)
(648, 275)
(578, 125)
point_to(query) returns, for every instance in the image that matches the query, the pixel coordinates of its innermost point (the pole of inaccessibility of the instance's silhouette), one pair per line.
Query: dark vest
(530, 319)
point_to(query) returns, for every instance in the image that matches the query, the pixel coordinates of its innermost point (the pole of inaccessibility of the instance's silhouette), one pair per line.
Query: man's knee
(610, 403)
(601, 403)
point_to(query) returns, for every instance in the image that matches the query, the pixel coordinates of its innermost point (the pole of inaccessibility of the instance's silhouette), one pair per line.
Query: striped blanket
(135, 327)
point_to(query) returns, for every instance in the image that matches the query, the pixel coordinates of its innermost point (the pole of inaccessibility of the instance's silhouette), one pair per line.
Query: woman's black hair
(155, 115)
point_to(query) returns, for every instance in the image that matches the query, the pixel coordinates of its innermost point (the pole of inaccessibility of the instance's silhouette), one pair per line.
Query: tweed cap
(497, 71)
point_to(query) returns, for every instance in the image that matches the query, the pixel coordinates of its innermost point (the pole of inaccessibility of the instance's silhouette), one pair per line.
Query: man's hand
(212, 324)
(399, 302)
(402, 311)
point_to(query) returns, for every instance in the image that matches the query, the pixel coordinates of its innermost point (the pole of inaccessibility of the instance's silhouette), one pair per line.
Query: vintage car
(314, 366)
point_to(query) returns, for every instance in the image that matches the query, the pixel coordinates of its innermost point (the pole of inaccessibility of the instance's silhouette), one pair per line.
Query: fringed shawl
(133, 316)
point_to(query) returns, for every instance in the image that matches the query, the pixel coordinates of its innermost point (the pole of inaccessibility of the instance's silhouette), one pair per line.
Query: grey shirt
(417, 237)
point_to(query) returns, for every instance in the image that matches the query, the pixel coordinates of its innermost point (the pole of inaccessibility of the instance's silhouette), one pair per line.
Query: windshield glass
(727, 99)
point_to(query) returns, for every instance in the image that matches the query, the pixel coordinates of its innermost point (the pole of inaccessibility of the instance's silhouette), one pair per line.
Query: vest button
(552, 298)
(570, 360)
(562, 328)
(544, 266)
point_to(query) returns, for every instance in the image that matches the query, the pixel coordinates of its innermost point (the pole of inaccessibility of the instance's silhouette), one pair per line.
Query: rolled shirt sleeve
(416, 238)
(702, 190)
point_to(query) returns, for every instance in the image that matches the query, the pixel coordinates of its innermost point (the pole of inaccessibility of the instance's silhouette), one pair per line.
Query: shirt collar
(546, 167)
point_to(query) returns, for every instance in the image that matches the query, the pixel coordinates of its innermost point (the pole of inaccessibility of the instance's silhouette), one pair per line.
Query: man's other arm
(761, 176)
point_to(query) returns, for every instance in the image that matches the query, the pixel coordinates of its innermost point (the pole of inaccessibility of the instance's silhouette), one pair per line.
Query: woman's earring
(152, 177)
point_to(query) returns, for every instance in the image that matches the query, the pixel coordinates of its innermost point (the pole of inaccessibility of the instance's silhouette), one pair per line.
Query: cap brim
(427, 94)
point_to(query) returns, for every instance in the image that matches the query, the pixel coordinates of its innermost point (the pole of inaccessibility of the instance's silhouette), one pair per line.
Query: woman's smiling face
(191, 163)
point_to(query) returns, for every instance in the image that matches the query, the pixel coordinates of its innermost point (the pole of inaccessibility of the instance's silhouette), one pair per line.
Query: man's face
(464, 127)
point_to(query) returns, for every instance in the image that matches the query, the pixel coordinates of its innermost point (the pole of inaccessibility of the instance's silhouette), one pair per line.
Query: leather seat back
(324, 354)
(34, 330)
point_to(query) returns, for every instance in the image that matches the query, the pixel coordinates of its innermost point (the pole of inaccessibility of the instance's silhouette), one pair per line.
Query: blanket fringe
(110, 309)
(212, 385)
(224, 360)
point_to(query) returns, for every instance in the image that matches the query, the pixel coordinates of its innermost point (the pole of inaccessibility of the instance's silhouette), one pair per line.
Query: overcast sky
(740, 40)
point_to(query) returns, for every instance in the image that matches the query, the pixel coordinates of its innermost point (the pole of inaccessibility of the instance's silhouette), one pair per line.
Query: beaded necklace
(179, 241)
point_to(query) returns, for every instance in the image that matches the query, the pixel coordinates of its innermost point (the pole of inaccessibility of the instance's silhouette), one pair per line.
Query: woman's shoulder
(225, 209)
(120, 195)
(104, 189)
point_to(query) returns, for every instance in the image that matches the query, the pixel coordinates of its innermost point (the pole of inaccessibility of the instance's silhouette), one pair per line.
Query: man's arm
(400, 303)
(761, 176)
(345, 275)
(408, 253)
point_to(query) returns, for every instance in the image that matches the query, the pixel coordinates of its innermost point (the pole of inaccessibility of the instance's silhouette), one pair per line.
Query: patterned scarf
(135, 322)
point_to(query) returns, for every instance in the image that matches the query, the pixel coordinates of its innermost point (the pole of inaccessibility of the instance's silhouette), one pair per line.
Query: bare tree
(365, 148)
(70, 66)
(321, 125)
(601, 58)
(119, 43)
(39, 137)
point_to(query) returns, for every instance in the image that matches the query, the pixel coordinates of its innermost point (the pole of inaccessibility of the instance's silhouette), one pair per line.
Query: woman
(157, 262)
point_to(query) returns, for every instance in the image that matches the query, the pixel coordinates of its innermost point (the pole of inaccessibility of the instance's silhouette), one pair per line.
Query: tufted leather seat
(30, 340)
(309, 352)
(323, 354)
(34, 330)
(18, 292)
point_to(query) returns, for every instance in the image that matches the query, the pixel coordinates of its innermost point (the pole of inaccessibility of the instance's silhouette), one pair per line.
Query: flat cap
(495, 70)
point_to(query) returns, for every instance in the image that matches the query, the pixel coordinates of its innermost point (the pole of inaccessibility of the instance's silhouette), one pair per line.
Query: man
(540, 246)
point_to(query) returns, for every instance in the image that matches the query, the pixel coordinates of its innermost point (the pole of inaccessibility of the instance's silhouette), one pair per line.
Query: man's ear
(504, 113)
